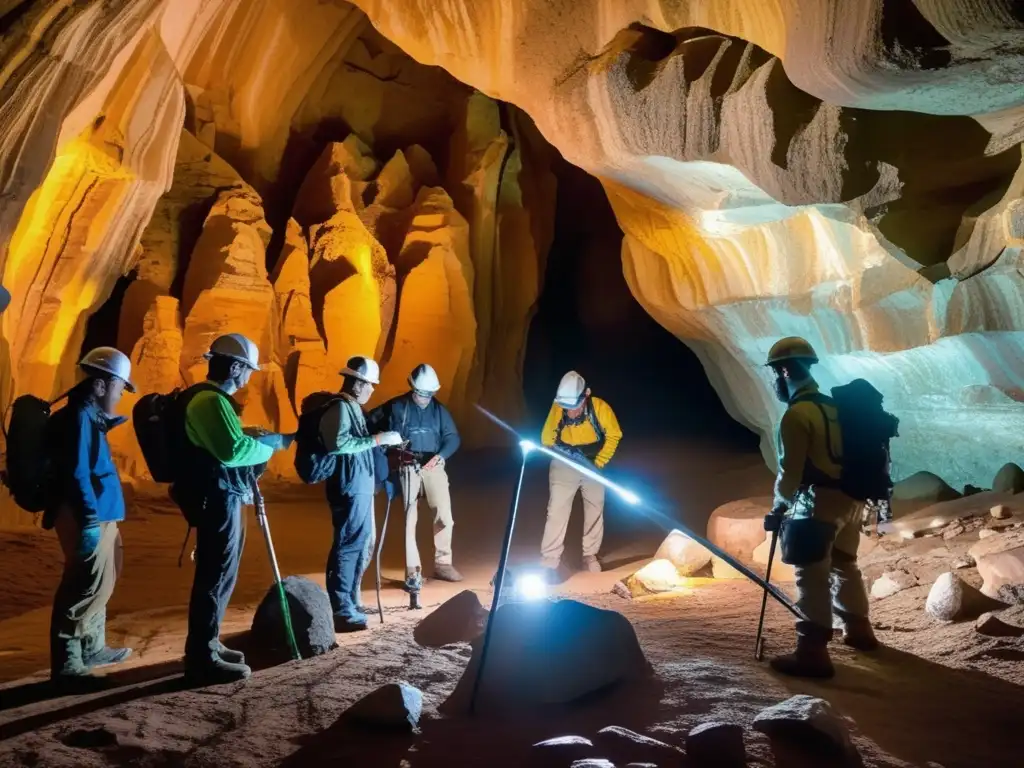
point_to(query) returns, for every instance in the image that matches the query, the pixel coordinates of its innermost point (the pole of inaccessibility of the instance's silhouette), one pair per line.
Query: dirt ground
(935, 695)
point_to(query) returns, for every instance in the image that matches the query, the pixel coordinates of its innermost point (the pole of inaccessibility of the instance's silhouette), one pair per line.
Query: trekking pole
(389, 491)
(759, 644)
(261, 517)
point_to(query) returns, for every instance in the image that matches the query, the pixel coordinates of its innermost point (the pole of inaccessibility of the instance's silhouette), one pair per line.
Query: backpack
(28, 461)
(312, 461)
(156, 421)
(867, 429)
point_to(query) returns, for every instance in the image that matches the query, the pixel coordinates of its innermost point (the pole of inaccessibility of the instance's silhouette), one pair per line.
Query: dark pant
(220, 538)
(350, 554)
(78, 621)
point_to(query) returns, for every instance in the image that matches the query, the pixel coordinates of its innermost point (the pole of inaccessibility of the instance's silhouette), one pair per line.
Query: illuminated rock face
(767, 187)
(852, 175)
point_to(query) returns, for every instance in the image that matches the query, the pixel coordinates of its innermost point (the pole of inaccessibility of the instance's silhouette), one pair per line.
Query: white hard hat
(111, 362)
(236, 347)
(362, 368)
(424, 379)
(570, 390)
(5, 298)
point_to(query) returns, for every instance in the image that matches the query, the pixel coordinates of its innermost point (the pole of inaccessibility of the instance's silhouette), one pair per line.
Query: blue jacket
(430, 431)
(83, 472)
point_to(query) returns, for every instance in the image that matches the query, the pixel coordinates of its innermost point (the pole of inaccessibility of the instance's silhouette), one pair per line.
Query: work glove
(773, 520)
(388, 438)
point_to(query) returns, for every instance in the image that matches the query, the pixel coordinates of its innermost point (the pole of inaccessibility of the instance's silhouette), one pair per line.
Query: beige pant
(433, 483)
(563, 483)
(816, 598)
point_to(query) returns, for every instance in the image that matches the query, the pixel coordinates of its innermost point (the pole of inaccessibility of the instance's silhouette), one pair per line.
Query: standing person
(219, 464)
(584, 428)
(350, 489)
(85, 503)
(809, 479)
(433, 439)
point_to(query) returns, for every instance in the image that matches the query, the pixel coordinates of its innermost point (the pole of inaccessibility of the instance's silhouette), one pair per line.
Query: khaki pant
(816, 598)
(563, 483)
(432, 483)
(92, 563)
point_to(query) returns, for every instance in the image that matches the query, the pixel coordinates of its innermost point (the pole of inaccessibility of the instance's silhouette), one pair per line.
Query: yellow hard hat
(791, 348)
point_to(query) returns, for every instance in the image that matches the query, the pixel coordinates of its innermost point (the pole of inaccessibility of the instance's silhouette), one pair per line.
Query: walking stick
(261, 517)
(759, 644)
(389, 490)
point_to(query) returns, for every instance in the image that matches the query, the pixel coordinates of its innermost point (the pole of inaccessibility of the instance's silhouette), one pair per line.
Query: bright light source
(531, 586)
(629, 497)
(527, 445)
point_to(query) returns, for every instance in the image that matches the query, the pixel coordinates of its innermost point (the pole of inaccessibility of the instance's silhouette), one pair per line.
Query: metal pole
(759, 644)
(499, 579)
(261, 517)
(380, 548)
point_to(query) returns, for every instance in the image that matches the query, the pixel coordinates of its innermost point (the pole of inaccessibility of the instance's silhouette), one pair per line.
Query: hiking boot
(591, 564)
(343, 624)
(215, 671)
(107, 655)
(859, 635)
(446, 572)
(365, 610)
(811, 657)
(228, 655)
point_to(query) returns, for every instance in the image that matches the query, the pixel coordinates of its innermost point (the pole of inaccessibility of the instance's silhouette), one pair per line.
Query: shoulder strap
(592, 415)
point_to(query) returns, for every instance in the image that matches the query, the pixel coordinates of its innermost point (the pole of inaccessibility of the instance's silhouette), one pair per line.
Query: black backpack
(867, 429)
(312, 461)
(156, 420)
(28, 462)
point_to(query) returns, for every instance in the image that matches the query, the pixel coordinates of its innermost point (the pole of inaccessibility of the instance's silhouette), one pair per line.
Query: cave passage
(588, 320)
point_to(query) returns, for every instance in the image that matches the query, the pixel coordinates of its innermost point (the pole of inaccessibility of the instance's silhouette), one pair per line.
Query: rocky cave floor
(937, 694)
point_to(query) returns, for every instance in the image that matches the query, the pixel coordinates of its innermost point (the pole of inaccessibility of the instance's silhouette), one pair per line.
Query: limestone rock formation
(953, 599)
(687, 555)
(739, 147)
(738, 527)
(1000, 561)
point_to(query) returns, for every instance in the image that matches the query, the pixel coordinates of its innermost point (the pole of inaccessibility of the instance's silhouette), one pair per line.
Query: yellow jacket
(802, 439)
(584, 434)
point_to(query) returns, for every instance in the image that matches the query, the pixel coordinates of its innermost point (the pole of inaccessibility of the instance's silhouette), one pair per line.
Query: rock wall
(275, 168)
(850, 174)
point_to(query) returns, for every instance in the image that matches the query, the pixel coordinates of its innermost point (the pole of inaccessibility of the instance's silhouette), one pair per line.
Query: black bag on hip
(805, 540)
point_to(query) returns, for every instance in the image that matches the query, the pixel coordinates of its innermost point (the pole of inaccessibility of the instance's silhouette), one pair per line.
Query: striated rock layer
(767, 185)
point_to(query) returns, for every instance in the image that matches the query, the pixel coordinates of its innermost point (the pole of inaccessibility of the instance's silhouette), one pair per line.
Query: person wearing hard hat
(586, 430)
(810, 442)
(433, 439)
(219, 464)
(350, 490)
(84, 505)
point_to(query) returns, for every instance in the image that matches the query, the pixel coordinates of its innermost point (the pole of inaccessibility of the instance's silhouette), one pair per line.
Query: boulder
(1000, 512)
(716, 745)
(738, 527)
(312, 620)
(953, 599)
(457, 620)
(1009, 479)
(780, 571)
(891, 582)
(623, 745)
(807, 725)
(534, 657)
(1000, 560)
(688, 556)
(720, 569)
(560, 751)
(991, 625)
(396, 706)
(656, 577)
(923, 487)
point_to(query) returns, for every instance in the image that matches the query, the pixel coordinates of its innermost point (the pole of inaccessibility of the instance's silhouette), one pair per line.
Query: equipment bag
(157, 422)
(805, 540)
(312, 461)
(28, 462)
(866, 430)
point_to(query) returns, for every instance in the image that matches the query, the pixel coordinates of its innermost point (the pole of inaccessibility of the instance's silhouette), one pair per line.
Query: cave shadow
(937, 700)
(117, 688)
(499, 739)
